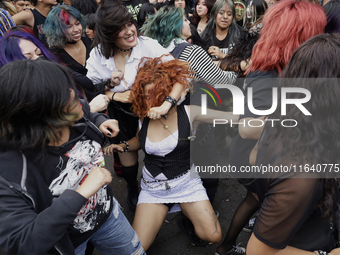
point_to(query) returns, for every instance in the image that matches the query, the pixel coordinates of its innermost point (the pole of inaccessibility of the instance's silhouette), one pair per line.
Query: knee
(216, 238)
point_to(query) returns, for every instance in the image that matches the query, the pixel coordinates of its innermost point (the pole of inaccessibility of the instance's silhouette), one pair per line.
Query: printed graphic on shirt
(80, 160)
(134, 10)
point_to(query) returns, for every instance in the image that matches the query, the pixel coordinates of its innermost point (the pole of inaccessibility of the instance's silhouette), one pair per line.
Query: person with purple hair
(22, 44)
(12, 48)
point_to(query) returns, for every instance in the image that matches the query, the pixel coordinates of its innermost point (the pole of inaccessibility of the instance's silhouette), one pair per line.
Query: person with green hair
(171, 28)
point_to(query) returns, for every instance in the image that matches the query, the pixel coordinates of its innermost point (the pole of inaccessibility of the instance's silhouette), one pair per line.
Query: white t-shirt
(100, 69)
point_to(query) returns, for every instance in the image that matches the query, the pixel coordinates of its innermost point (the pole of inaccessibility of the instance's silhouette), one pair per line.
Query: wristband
(127, 146)
(114, 93)
(171, 100)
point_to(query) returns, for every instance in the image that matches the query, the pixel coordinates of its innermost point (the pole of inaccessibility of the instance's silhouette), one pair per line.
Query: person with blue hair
(170, 28)
(65, 33)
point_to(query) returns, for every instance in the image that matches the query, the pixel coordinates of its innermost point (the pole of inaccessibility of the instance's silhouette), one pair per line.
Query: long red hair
(286, 25)
(163, 75)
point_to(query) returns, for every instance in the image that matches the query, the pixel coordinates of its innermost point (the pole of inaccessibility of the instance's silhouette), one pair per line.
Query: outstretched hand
(109, 150)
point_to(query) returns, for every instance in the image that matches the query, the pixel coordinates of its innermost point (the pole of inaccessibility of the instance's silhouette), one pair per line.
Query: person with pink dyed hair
(286, 25)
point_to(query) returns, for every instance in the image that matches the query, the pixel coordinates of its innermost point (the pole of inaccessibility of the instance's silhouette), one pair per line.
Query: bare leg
(148, 220)
(202, 216)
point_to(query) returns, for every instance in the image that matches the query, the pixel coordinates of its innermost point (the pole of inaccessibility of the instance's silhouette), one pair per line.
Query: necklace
(122, 50)
(166, 127)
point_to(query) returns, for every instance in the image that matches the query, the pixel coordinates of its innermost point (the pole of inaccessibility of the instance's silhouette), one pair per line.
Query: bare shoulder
(24, 18)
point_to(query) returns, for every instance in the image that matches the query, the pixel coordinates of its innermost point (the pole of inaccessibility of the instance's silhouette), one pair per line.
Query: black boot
(130, 176)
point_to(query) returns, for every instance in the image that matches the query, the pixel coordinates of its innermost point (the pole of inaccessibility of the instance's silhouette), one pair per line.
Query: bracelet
(171, 100)
(127, 146)
(114, 93)
(321, 252)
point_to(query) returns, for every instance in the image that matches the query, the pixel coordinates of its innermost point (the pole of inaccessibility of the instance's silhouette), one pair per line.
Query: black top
(67, 166)
(262, 84)
(70, 61)
(79, 71)
(286, 204)
(221, 44)
(133, 6)
(38, 27)
(289, 214)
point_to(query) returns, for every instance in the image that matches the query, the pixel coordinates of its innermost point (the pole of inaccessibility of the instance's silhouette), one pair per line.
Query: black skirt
(128, 124)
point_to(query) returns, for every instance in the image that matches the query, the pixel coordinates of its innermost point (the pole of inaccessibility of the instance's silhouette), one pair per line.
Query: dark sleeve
(262, 85)
(25, 232)
(95, 117)
(287, 205)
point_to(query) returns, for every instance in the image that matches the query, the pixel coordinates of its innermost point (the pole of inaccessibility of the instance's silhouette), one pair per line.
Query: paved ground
(171, 240)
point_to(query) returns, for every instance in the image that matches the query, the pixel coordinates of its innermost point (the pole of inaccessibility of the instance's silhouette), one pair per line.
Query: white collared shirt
(100, 69)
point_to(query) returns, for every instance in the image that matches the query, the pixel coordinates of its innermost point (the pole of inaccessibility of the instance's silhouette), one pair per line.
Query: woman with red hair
(286, 25)
(169, 181)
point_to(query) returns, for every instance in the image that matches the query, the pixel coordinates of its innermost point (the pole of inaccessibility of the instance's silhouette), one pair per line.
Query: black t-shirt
(221, 43)
(67, 167)
(133, 6)
(262, 84)
(38, 26)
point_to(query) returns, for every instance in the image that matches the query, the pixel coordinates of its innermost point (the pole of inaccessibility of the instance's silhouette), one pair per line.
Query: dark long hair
(210, 30)
(145, 10)
(316, 138)
(209, 4)
(241, 51)
(33, 95)
(111, 17)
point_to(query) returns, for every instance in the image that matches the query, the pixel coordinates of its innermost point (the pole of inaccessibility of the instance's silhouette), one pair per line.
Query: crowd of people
(84, 80)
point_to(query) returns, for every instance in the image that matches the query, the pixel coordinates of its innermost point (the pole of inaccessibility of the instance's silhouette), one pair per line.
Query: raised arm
(24, 18)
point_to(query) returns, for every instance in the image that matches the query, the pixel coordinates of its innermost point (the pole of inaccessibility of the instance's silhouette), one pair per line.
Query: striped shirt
(204, 68)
